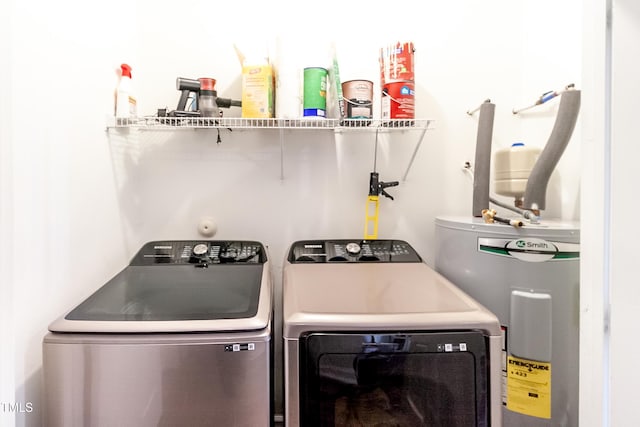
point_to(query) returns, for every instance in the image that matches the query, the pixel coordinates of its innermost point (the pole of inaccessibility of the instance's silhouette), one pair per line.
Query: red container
(398, 100)
(397, 62)
(207, 83)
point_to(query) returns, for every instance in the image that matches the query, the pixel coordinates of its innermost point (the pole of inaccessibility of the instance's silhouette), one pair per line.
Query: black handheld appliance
(191, 93)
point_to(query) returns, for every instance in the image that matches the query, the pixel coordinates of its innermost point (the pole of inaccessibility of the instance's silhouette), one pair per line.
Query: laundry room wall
(621, 290)
(85, 198)
(7, 377)
(59, 216)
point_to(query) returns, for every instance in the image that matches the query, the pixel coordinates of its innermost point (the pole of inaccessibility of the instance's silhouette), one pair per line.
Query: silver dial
(353, 248)
(200, 249)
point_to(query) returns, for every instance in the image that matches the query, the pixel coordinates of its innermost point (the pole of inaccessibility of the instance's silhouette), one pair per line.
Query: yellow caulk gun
(376, 187)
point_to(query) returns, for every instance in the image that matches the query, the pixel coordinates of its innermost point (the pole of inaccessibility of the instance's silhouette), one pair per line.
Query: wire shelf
(174, 123)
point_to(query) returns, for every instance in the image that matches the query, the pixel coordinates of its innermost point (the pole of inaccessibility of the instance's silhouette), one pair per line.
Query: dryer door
(413, 379)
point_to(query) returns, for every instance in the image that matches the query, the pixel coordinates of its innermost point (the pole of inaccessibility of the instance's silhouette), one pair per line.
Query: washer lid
(175, 298)
(380, 296)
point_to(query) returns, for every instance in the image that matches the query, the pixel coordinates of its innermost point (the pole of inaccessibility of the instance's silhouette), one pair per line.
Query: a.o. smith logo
(537, 245)
(530, 249)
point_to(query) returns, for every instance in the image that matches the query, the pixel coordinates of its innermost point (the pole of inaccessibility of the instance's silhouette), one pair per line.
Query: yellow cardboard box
(258, 91)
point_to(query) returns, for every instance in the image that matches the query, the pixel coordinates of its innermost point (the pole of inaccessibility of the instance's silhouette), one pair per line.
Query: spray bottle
(126, 106)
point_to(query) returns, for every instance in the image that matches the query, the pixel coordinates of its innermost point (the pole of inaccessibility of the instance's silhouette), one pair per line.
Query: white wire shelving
(155, 123)
(338, 125)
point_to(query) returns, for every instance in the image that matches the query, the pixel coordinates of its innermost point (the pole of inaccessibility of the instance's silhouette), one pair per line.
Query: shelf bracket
(415, 152)
(281, 154)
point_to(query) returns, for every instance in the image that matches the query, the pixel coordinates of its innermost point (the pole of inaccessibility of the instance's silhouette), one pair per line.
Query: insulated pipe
(536, 189)
(483, 159)
(526, 214)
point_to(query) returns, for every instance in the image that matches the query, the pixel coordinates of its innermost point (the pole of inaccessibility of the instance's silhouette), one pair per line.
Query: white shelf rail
(175, 123)
(155, 123)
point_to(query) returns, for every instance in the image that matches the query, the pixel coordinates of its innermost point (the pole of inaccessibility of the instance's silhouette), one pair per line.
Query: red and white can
(398, 100)
(397, 62)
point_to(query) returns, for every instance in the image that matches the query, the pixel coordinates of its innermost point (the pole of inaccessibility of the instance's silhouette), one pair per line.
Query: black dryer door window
(415, 379)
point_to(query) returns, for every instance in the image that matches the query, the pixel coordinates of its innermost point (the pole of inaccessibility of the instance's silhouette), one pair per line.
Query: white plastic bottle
(126, 105)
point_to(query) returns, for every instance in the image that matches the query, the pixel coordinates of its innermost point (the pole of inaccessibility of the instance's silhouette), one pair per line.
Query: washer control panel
(201, 252)
(352, 251)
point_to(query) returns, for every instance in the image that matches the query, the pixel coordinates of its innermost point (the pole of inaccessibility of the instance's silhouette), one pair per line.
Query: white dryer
(181, 336)
(374, 336)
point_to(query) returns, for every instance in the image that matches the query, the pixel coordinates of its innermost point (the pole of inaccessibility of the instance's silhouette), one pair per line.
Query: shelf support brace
(415, 152)
(281, 154)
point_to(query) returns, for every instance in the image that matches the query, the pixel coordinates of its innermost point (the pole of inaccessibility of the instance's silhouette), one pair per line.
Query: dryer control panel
(352, 251)
(200, 252)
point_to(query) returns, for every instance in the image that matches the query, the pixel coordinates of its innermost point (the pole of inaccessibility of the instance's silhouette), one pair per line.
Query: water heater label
(529, 387)
(530, 249)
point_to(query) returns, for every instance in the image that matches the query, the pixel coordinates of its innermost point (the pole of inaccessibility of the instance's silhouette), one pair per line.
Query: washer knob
(200, 250)
(353, 248)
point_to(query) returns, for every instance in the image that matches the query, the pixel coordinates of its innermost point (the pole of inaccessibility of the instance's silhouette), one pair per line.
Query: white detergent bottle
(126, 106)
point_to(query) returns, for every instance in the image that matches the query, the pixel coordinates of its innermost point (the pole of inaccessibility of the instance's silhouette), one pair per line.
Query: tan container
(512, 167)
(358, 99)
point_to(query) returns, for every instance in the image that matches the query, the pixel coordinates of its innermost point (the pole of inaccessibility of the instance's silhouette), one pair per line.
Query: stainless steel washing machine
(374, 336)
(182, 336)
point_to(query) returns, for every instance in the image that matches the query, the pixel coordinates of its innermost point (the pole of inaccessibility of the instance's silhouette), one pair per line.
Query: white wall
(608, 289)
(86, 199)
(7, 377)
(594, 346)
(623, 283)
(466, 52)
(59, 204)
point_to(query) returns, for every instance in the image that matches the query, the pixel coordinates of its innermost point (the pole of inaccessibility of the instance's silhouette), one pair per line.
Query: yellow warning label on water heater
(529, 387)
